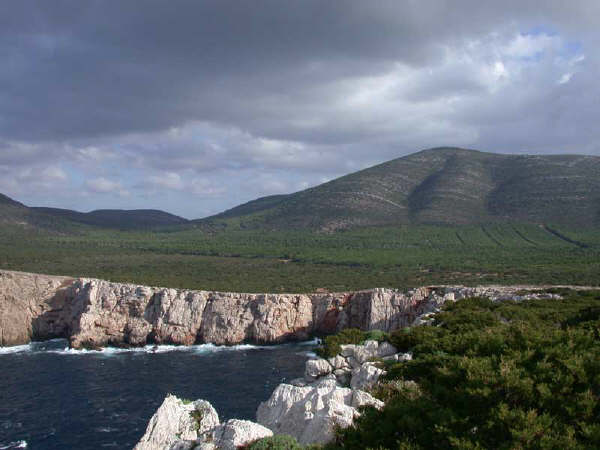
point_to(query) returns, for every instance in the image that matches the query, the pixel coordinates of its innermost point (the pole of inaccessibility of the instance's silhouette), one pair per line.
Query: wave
(13, 445)
(151, 349)
(14, 349)
(60, 346)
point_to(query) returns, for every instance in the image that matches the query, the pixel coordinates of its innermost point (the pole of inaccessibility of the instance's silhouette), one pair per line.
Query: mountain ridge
(444, 185)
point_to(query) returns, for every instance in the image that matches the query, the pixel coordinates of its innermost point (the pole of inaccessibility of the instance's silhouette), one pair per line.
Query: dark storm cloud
(93, 68)
(283, 93)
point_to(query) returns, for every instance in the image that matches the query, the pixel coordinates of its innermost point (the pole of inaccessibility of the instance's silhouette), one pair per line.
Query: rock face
(31, 306)
(310, 413)
(175, 420)
(94, 313)
(177, 425)
(235, 433)
(309, 409)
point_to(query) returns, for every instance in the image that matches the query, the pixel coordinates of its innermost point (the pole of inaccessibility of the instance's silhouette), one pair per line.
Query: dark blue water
(55, 398)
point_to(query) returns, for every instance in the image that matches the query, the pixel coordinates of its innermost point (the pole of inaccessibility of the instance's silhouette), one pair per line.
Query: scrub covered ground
(302, 261)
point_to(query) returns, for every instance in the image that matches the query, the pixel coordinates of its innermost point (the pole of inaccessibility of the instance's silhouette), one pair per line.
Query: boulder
(399, 357)
(365, 377)
(316, 368)
(338, 362)
(362, 398)
(353, 362)
(347, 350)
(363, 354)
(371, 346)
(342, 376)
(309, 413)
(236, 433)
(386, 349)
(184, 445)
(177, 421)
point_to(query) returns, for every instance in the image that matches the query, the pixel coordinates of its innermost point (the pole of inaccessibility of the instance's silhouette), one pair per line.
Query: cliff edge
(96, 313)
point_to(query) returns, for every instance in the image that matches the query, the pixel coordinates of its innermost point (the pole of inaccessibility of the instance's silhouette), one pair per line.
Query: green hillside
(117, 218)
(66, 220)
(438, 186)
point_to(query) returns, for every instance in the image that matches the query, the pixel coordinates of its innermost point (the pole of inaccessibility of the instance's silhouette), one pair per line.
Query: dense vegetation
(492, 375)
(302, 261)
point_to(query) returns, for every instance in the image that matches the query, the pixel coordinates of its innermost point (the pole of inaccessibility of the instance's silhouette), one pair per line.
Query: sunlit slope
(439, 186)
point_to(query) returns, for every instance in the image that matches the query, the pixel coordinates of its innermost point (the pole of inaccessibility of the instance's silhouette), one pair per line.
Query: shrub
(483, 381)
(277, 442)
(197, 416)
(331, 344)
(377, 335)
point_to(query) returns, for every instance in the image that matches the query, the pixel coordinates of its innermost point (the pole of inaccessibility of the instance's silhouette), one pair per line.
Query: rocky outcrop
(233, 434)
(310, 409)
(176, 420)
(180, 425)
(310, 413)
(93, 313)
(31, 306)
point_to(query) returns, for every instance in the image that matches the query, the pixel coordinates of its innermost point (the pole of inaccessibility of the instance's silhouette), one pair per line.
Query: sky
(197, 106)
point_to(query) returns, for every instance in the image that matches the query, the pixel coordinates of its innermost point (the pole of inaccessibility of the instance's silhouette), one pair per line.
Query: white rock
(308, 413)
(365, 377)
(362, 398)
(343, 376)
(352, 361)
(400, 357)
(371, 346)
(405, 356)
(298, 382)
(236, 433)
(183, 445)
(386, 349)
(347, 350)
(174, 421)
(330, 377)
(316, 368)
(338, 362)
(363, 354)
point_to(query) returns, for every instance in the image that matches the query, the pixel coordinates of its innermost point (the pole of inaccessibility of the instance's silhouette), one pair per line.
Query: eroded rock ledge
(95, 313)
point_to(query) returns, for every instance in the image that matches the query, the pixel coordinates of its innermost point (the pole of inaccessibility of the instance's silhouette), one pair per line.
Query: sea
(54, 397)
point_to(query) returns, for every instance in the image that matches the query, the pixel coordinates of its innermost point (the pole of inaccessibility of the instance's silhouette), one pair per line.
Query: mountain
(438, 186)
(117, 218)
(13, 212)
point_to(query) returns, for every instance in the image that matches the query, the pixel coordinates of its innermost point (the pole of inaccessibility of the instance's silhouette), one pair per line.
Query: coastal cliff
(95, 313)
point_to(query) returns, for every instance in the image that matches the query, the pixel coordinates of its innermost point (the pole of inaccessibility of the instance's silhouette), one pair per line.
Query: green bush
(492, 375)
(277, 442)
(377, 335)
(331, 344)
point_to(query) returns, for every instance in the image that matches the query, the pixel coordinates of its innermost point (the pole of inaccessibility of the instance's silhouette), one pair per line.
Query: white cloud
(103, 185)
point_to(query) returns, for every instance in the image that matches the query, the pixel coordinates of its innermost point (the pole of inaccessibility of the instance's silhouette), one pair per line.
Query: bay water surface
(53, 397)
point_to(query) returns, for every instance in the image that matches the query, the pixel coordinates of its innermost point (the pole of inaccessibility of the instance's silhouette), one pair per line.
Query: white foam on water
(147, 349)
(315, 341)
(150, 349)
(11, 445)
(14, 349)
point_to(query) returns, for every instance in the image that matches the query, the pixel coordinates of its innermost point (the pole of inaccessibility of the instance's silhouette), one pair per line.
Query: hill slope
(117, 218)
(15, 213)
(443, 185)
